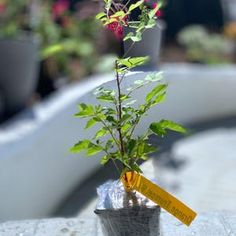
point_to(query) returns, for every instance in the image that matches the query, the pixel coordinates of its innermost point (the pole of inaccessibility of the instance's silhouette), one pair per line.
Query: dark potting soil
(86, 191)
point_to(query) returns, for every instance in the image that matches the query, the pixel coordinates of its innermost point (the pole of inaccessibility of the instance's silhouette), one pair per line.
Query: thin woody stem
(122, 149)
(111, 133)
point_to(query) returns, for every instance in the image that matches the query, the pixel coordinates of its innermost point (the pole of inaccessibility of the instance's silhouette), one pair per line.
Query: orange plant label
(134, 181)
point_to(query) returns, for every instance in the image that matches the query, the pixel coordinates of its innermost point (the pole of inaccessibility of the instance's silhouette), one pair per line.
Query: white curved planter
(36, 169)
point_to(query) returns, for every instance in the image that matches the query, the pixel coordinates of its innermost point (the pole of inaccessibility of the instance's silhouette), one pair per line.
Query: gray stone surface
(207, 224)
(206, 179)
(50, 227)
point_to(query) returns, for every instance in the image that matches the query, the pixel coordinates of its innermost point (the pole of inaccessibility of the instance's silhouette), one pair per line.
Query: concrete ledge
(206, 224)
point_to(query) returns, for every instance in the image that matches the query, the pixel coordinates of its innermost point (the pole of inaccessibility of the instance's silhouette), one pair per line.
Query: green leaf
(102, 132)
(106, 98)
(160, 98)
(128, 36)
(118, 14)
(150, 24)
(109, 144)
(144, 148)
(131, 146)
(85, 110)
(104, 160)
(135, 5)
(124, 97)
(145, 158)
(136, 168)
(100, 15)
(154, 77)
(131, 62)
(159, 89)
(167, 124)
(159, 128)
(90, 123)
(93, 149)
(137, 37)
(52, 50)
(80, 146)
(125, 127)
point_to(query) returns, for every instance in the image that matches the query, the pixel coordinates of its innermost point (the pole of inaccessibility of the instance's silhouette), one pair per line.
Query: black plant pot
(135, 221)
(18, 72)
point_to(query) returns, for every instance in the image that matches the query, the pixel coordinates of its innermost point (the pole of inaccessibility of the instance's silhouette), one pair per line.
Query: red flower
(116, 29)
(2, 7)
(59, 8)
(158, 13)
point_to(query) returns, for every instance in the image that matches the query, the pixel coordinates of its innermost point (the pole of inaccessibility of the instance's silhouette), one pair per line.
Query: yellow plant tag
(134, 181)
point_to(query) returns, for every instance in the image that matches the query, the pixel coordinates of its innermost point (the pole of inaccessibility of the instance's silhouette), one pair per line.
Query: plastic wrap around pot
(126, 214)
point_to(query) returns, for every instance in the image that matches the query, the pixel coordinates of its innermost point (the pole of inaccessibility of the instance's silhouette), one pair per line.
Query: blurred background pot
(150, 45)
(18, 72)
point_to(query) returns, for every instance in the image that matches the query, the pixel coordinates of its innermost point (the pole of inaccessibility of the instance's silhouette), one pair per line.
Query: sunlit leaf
(104, 160)
(135, 5)
(159, 89)
(80, 146)
(102, 132)
(90, 123)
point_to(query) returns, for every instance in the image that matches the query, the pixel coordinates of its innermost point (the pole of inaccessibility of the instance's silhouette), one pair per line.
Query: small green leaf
(131, 146)
(136, 168)
(90, 123)
(159, 99)
(159, 89)
(118, 14)
(124, 97)
(104, 160)
(150, 24)
(85, 110)
(128, 36)
(80, 146)
(154, 77)
(137, 37)
(125, 127)
(144, 158)
(102, 132)
(135, 5)
(100, 15)
(106, 98)
(167, 124)
(93, 149)
(131, 62)
(159, 128)
(109, 143)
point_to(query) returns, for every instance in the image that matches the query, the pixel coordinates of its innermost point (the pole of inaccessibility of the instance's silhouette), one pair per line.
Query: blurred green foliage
(67, 38)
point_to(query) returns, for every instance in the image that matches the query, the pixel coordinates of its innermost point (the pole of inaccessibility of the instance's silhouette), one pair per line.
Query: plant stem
(116, 166)
(131, 46)
(111, 133)
(122, 149)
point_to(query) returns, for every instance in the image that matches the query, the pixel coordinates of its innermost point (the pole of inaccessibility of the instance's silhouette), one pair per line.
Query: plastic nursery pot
(132, 221)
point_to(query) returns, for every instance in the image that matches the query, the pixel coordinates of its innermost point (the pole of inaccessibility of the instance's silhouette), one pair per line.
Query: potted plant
(18, 49)
(123, 211)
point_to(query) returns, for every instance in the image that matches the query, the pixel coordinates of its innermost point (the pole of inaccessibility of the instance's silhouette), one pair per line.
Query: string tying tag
(135, 181)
